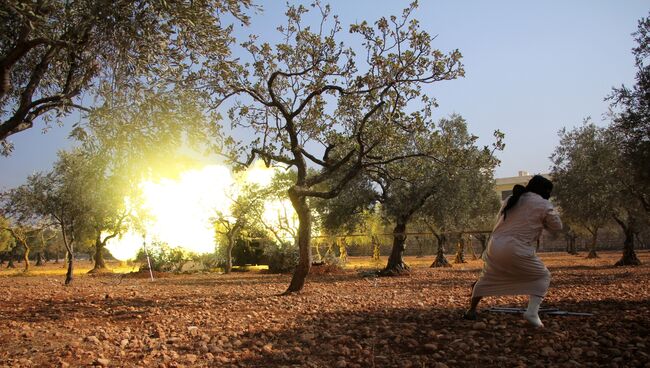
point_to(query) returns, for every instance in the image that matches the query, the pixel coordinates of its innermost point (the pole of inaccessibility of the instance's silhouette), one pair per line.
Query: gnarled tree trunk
(304, 239)
(571, 244)
(229, 247)
(69, 273)
(39, 259)
(10, 262)
(460, 250)
(26, 257)
(441, 260)
(420, 250)
(396, 265)
(100, 264)
(592, 245)
(629, 257)
(69, 244)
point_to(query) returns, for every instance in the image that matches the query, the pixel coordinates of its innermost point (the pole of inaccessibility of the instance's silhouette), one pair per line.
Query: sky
(531, 68)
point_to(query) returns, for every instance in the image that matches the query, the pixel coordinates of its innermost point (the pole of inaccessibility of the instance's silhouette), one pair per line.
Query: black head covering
(537, 184)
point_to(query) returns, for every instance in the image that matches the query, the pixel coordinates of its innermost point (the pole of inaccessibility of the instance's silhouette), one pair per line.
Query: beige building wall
(504, 185)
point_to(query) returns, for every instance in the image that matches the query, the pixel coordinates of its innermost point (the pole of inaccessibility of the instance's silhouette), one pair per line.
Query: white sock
(531, 314)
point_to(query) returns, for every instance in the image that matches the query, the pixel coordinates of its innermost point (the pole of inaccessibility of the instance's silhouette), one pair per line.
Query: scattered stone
(92, 339)
(576, 352)
(431, 347)
(103, 362)
(479, 326)
(548, 351)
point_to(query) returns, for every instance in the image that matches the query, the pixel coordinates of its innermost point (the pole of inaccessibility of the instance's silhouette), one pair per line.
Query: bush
(247, 252)
(164, 258)
(209, 261)
(330, 264)
(282, 258)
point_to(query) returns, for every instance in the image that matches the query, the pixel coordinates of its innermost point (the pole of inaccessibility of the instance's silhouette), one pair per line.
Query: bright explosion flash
(181, 209)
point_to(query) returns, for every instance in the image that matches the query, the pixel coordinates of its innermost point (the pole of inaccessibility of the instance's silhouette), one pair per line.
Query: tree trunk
(396, 265)
(318, 255)
(39, 259)
(68, 274)
(629, 256)
(12, 255)
(231, 244)
(10, 262)
(592, 246)
(420, 250)
(304, 241)
(441, 260)
(571, 247)
(375, 248)
(460, 251)
(484, 241)
(471, 249)
(571, 244)
(343, 252)
(26, 258)
(100, 264)
(69, 244)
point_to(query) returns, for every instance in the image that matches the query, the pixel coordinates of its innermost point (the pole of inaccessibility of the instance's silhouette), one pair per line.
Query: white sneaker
(533, 319)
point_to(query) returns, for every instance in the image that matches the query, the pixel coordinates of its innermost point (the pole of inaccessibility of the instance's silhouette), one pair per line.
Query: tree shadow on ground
(424, 336)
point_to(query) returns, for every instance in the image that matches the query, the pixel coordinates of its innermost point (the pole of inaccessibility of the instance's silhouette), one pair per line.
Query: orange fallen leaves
(339, 320)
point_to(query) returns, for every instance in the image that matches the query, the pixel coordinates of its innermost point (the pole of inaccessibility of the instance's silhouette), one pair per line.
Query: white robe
(511, 266)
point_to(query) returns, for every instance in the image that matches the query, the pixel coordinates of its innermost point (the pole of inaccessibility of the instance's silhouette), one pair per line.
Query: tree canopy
(56, 54)
(633, 121)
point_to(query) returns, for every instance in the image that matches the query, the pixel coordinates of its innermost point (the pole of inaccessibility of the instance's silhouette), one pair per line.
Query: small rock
(307, 337)
(576, 352)
(268, 348)
(103, 362)
(479, 326)
(548, 351)
(215, 349)
(191, 358)
(431, 347)
(92, 339)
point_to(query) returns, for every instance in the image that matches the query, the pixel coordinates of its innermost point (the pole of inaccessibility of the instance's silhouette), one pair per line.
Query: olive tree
(58, 196)
(21, 218)
(632, 120)
(313, 103)
(410, 187)
(7, 241)
(578, 187)
(56, 56)
(466, 198)
(246, 205)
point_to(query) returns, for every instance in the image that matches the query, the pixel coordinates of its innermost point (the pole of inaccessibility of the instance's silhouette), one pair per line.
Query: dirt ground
(340, 320)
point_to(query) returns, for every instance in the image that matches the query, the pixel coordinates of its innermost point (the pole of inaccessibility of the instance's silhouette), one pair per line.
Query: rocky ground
(340, 320)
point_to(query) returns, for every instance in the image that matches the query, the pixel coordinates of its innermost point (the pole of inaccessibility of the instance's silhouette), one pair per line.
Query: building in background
(504, 185)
